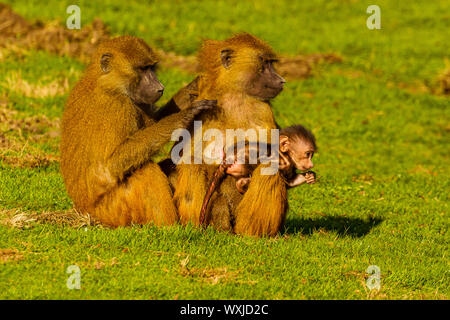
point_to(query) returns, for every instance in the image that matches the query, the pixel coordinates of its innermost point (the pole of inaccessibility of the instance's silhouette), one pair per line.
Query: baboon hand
(197, 108)
(310, 177)
(202, 105)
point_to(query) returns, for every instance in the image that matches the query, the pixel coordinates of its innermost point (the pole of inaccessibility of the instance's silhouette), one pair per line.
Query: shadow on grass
(352, 227)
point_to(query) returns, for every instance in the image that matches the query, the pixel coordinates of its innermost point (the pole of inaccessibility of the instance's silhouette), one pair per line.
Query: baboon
(110, 130)
(239, 74)
(296, 149)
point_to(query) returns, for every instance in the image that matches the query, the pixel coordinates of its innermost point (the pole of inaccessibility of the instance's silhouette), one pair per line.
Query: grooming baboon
(296, 149)
(110, 130)
(239, 74)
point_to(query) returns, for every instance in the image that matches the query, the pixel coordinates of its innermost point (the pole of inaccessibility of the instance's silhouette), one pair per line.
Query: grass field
(381, 117)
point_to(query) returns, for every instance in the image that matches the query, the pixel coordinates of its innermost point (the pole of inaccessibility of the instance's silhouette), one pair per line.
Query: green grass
(383, 161)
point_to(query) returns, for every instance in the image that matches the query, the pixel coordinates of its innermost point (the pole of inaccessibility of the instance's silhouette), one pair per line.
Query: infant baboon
(297, 146)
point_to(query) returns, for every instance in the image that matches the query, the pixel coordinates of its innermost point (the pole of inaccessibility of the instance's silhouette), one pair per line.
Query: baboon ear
(225, 56)
(105, 62)
(284, 143)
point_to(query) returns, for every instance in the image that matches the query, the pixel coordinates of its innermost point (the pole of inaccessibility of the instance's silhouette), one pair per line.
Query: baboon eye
(269, 64)
(148, 67)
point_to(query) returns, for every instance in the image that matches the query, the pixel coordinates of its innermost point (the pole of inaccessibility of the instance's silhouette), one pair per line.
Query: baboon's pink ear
(284, 143)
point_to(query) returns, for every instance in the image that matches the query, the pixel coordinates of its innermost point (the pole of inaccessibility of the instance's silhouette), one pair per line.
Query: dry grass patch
(24, 220)
(51, 37)
(414, 87)
(36, 126)
(12, 24)
(440, 85)
(423, 170)
(80, 44)
(292, 68)
(8, 255)
(302, 66)
(98, 264)
(172, 60)
(444, 79)
(210, 275)
(18, 137)
(16, 83)
(29, 160)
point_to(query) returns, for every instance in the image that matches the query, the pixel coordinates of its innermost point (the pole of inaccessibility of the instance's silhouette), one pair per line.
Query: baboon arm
(169, 108)
(137, 149)
(296, 181)
(181, 100)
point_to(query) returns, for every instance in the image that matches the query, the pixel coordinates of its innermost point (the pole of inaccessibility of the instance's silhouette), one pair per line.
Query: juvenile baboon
(110, 130)
(239, 74)
(296, 149)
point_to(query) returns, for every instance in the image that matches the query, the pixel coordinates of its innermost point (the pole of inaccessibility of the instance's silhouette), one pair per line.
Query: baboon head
(127, 66)
(299, 144)
(242, 63)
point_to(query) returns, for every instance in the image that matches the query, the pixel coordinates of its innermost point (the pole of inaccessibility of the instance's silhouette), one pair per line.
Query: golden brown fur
(262, 209)
(215, 81)
(107, 141)
(256, 215)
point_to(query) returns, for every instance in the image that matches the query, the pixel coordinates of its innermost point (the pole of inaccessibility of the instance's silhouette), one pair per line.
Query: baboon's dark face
(301, 154)
(148, 89)
(134, 73)
(266, 83)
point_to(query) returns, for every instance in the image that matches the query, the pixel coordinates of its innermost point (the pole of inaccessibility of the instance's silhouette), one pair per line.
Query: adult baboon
(239, 74)
(110, 130)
